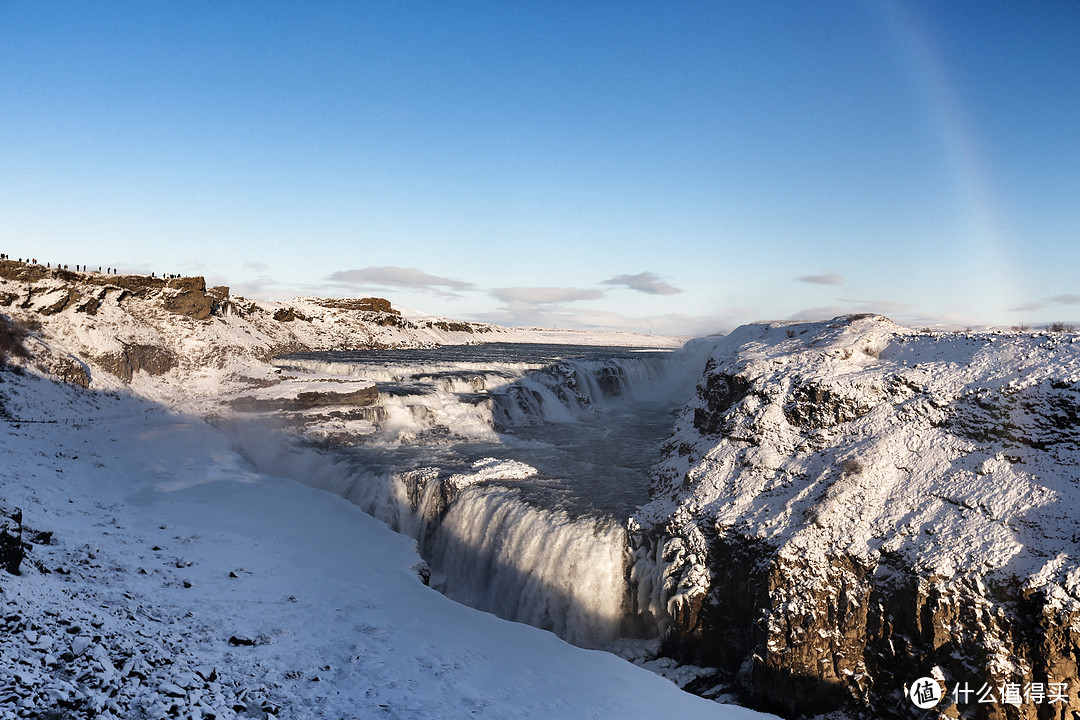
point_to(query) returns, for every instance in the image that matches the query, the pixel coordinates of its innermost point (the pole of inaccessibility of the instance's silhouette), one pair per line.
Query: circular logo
(925, 693)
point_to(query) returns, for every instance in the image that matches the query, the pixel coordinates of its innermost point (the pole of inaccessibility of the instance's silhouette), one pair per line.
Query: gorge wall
(850, 506)
(161, 333)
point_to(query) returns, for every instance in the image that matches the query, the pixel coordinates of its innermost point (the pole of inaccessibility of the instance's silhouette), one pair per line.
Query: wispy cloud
(1028, 307)
(1047, 302)
(399, 277)
(548, 307)
(881, 307)
(900, 313)
(646, 282)
(822, 279)
(560, 316)
(262, 287)
(544, 295)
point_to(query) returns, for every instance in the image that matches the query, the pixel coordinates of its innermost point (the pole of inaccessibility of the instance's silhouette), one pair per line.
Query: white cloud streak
(646, 282)
(822, 279)
(534, 296)
(400, 277)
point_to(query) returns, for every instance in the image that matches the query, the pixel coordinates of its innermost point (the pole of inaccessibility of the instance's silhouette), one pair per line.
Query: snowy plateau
(843, 508)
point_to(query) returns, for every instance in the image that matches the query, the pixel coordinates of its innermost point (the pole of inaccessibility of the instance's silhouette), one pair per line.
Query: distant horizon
(1048, 326)
(670, 169)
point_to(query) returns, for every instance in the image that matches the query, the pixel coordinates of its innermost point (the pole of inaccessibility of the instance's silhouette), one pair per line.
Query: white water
(534, 565)
(513, 467)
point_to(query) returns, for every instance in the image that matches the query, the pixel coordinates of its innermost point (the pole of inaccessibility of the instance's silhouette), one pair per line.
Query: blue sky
(674, 167)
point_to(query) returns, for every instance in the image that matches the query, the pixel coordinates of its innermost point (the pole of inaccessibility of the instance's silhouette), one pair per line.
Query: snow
(199, 587)
(956, 451)
(291, 386)
(488, 469)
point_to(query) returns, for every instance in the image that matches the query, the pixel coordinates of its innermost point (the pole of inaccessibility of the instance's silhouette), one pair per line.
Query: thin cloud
(822, 279)
(1040, 304)
(1028, 307)
(899, 313)
(646, 282)
(399, 277)
(881, 307)
(817, 314)
(544, 295)
(547, 317)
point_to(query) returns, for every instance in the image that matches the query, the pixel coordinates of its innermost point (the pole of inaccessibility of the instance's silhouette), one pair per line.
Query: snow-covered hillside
(849, 506)
(175, 339)
(163, 576)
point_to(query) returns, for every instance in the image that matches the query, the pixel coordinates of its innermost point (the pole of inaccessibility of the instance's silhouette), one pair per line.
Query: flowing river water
(514, 466)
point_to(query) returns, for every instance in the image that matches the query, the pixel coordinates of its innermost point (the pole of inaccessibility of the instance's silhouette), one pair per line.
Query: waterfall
(534, 565)
(473, 399)
(488, 541)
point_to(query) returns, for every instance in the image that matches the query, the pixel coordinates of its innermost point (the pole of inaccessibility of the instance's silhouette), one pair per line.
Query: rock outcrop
(847, 507)
(135, 357)
(367, 304)
(295, 395)
(65, 289)
(130, 326)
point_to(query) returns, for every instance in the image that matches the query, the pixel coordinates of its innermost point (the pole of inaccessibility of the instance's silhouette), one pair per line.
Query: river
(514, 466)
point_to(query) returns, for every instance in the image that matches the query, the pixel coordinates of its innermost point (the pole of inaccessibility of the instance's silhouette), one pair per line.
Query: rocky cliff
(849, 506)
(165, 335)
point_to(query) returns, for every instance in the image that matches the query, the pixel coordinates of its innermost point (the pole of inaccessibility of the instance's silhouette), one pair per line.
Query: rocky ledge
(847, 507)
(96, 329)
(306, 393)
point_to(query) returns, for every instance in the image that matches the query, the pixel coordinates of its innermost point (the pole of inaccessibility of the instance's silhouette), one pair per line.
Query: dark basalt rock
(720, 391)
(367, 304)
(814, 404)
(12, 551)
(191, 300)
(151, 359)
(307, 400)
(610, 380)
(67, 299)
(67, 368)
(450, 326)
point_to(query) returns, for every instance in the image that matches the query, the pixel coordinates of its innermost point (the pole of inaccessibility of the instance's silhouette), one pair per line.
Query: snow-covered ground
(179, 582)
(861, 470)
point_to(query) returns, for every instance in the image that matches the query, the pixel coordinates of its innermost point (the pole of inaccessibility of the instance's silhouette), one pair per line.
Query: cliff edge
(846, 507)
(175, 338)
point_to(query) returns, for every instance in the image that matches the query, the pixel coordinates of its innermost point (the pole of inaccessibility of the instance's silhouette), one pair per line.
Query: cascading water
(514, 467)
